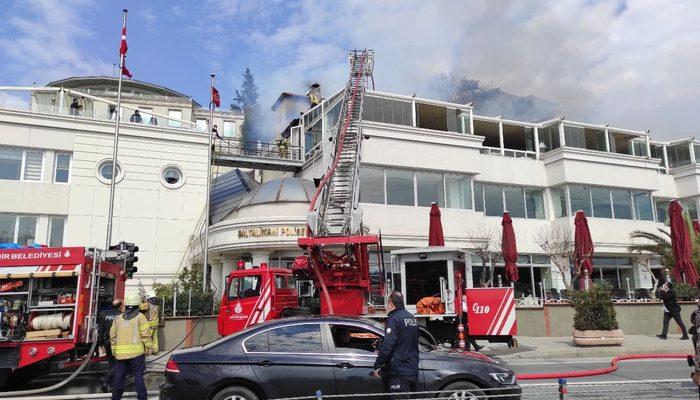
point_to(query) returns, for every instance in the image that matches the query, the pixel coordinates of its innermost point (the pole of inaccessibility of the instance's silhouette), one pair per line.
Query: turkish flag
(123, 47)
(125, 71)
(215, 98)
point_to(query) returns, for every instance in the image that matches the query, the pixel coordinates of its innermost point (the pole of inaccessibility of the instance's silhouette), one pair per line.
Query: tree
(247, 100)
(558, 244)
(483, 240)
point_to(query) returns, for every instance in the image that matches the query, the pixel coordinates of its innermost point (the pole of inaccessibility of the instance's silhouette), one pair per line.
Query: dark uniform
(398, 354)
(672, 310)
(105, 324)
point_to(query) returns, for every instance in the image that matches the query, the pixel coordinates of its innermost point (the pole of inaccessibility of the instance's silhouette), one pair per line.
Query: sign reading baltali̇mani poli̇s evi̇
(284, 231)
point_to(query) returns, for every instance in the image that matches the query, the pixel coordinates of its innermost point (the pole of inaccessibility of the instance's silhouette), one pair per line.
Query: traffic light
(131, 258)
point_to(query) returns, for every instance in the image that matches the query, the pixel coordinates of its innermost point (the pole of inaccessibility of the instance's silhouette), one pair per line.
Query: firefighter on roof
(130, 336)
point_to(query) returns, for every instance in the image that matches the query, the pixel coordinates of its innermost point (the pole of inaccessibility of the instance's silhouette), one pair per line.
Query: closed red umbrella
(682, 247)
(583, 248)
(509, 248)
(435, 235)
(696, 226)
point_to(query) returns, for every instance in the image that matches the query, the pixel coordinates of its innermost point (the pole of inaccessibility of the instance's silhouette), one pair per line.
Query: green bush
(594, 308)
(685, 291)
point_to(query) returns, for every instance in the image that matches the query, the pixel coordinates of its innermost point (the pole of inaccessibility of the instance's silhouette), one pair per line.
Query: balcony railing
(236, 147)
(512, 153)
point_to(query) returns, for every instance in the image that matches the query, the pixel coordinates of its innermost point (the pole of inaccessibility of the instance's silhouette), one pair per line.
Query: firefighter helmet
(132, 300)
(151, 295)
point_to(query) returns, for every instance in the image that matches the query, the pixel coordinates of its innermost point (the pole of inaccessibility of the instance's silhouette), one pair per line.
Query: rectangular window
(575, 136)
(459, 191)
(690, 206)
(201, 125)
(478, 197)
(602, 208)
(296, 339)
(515, 201)
(26, 230)
(549, 138)
(642, 206)
(33, 165)
(56, 229)
(10, 163)
(534, 203)
(372, 185)
(7, 228)
(559, 202)
(430, 189)
(493, 200)
(399, 188)
(62, 168)
(146, 115)
(662, 211)
(229, 129)
(390, 111)
(639, 148)
(580, 199)
(174, 117)
(622, 203)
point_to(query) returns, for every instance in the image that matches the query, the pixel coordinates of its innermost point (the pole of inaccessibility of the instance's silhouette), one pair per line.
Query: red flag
(215, 97)
(125, 71)
(123, 47)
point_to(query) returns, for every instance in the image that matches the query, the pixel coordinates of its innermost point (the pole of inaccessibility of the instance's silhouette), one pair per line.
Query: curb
(611, 351)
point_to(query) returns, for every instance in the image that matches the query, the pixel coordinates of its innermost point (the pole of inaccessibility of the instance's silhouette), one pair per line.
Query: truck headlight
(505, 378)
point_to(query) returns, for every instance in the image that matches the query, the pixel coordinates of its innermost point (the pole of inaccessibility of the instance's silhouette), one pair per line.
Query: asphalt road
(627, 382)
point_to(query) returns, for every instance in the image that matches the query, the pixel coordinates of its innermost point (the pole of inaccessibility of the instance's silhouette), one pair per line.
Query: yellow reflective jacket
(130, 337)
(153, 315)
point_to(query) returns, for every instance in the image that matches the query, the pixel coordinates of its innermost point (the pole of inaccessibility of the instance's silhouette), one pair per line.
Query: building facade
(418, 151)
(55, 169)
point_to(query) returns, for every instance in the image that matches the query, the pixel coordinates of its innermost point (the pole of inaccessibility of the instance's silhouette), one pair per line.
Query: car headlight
(505, 378)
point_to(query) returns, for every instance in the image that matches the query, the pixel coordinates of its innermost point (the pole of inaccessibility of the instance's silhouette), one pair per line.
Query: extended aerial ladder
(338, 253)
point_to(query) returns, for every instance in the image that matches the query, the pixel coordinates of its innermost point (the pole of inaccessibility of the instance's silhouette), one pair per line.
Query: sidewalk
(563, 347)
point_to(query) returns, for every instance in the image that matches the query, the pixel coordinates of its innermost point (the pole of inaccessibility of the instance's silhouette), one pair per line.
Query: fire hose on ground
(599, 371)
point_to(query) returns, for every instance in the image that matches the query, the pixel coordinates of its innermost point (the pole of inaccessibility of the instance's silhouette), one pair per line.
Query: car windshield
(244, 287)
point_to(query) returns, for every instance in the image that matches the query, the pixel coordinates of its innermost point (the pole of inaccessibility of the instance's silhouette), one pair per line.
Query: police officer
(154, 319)
(397, 360)
(130, 337)
(106, 319)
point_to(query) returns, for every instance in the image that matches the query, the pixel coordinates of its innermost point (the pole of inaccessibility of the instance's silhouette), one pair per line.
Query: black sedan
(300, 356)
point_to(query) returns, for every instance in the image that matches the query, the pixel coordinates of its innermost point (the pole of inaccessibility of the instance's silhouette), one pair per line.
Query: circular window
(104, 171)
(172, 177)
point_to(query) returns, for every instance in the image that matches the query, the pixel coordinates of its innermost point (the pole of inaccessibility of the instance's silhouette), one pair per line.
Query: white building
(417, 151)
(55, 168)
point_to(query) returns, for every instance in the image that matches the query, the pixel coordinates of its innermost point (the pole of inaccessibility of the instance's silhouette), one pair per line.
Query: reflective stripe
(119, 348)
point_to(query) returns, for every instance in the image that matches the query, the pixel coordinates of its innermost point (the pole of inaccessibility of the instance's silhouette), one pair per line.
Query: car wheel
(235, 393)
(462, 391)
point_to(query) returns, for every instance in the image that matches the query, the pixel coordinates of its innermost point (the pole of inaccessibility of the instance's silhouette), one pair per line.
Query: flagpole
(115, 147)
(205, 286)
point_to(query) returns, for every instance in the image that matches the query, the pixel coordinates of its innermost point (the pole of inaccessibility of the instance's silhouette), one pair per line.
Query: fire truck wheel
(235, 393)
(291, 312)
(462, 390)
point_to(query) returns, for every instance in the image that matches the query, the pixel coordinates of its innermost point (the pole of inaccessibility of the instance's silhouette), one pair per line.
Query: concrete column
(413, 113)
(61, 101)
(562, 139)
(260, 256)
(500, 137)
(692, 152)
(648, 146)
(537, 143)
(607, 141)
(227, 265)
(665, 157)
(215, 278)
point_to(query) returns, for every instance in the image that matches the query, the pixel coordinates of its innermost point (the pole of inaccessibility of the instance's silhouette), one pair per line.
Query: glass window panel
(549, 138)
(7, 228)
(622, 203)
(662, 211)
(642, 206)
(696, 149)
(601, 202)
(174, 117)
(296, 339)
(372, 185)
(478, 197)
(640, 148)
(515, 201)
(399, 187)
(559, 202)
(229, 129)
(690, 206)
(56, 233)
(575, 136)
(10, 163)
(27, 230)
(33, 163)
(106, 170)
(259, 343)
(493, 200)
(540, 259)
(62, 173)
(201, 125)
(430, 189)
(678, 155)
(534, 202)
(459, 191)
(580, 199)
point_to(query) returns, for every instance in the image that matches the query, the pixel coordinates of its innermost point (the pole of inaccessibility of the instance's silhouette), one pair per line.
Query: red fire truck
(49, 299)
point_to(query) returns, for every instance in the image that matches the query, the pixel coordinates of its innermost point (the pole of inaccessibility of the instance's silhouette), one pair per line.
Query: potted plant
(685, 292)
(595, 319)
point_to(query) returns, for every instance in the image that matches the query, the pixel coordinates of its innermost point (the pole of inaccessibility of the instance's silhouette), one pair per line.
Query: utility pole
(205, 250)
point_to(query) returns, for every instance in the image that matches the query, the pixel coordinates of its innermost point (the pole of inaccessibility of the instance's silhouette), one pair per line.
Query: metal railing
(512, 153)
(236, 147)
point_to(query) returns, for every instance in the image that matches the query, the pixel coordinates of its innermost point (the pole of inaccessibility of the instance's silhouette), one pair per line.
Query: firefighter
(397, 361)
(130, 336)
(105, 324)
(154, 319)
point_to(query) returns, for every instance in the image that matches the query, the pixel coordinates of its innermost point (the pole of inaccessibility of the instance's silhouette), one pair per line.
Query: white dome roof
(280, 190)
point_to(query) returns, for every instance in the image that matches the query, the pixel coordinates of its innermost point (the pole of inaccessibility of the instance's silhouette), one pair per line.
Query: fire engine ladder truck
(336, 222)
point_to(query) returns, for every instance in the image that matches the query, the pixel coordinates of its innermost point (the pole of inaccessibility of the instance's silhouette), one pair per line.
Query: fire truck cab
(255, 295)
(49, 299)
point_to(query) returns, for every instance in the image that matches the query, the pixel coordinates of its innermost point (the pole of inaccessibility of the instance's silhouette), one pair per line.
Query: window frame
(324, 340)
(55, 167)
(98, 168)
(49, 232)
(165, 183)
(23, 164)
(333, 350)
(18, 217)
(172, 123)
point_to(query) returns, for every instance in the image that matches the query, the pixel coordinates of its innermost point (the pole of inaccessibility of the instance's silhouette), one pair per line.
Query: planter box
(598, 338)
